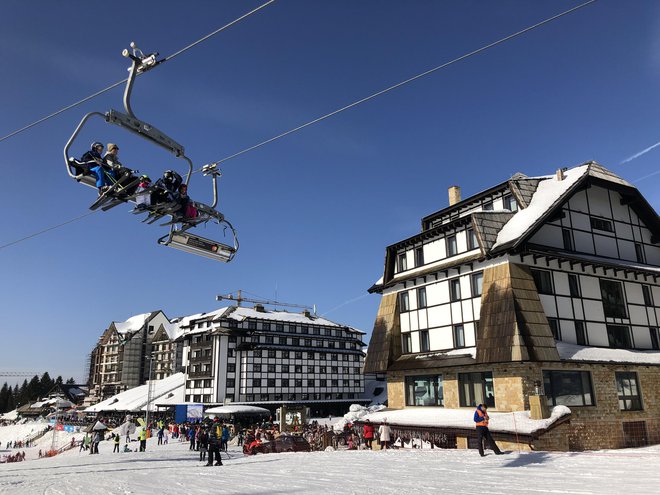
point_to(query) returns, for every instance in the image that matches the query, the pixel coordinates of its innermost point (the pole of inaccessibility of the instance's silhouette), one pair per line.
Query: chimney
(560, 173)
(454, 195)
(259, 308)
(306, 313)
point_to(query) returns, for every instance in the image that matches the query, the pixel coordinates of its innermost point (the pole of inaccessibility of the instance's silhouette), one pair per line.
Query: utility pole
(239, 299)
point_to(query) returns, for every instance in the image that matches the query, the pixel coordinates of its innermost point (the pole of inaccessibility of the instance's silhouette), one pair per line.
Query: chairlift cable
(402, 83)
(119, 83)
(47, 229)
(386, 90)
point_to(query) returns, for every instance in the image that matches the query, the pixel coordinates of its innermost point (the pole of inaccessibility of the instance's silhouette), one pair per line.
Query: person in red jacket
(481, 420)
(368, 433)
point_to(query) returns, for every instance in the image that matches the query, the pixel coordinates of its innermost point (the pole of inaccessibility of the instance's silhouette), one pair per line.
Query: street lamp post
(151, 360)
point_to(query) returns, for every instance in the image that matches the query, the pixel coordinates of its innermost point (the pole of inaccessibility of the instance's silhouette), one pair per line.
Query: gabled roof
(552, 193)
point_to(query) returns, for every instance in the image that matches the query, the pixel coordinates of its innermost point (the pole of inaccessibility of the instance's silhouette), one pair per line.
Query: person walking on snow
(481, 420)
(368, 433)
(384, 432)
(116, 438)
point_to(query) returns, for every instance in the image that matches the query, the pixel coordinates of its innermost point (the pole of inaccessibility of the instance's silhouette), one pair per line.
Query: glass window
(272, 353)
(618, 336)
(424, 341)
(543, 281)
(601, 224)
(568, 388)
(419, 256)
(285, 382)
(424, 391)
(298, 354)
(271, 368)
(574, 285)
(285, 354)
(256, 382)
(580, 334)
(271, 382)
(231, 367)
(655, 342)
(402, 262)
(421, 297)
(265, 326)
(459, 336)
(407, 343)
(472, 242)
(476, 388)
(613, 301)
(452, 247)
(554, 328)
(257, 353)
(488, 206)
(639, 253)
(256, 368)
(279, 327)
(628, 390)
(298, 368)
(477, 282)
(404, 303)
(646, 292)
(567, 236)
(455, 289)
(510, 203)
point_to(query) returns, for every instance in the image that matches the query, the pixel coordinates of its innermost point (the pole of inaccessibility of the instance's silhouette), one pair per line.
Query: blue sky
(315, 210)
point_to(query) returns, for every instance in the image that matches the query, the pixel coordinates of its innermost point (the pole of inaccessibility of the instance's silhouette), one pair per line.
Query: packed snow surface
(581, 353)
(135, 399)
(173, 469)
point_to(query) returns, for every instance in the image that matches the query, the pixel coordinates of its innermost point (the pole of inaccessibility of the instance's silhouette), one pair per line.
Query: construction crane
(18, 373)
(239, 299)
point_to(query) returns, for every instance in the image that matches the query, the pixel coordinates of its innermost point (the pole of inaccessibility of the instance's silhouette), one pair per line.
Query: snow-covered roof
(241, 313)
(440, 417)
(236, 409)
(133, 324)
(136, 398)
(549, 192)
(580, 353)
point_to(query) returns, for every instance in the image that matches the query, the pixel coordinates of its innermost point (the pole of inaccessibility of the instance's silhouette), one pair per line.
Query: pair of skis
(116, 194)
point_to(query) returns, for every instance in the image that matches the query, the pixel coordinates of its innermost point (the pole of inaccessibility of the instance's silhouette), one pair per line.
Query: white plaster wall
(637, 315)
(565, 307)
(642, 337)
(598, 334)
(593, 310)
(605, 246)
(579, 201)
(548, 303)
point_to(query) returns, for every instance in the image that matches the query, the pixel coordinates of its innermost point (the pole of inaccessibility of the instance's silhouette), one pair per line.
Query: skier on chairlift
(95, 165)
(167, 188)
(122, 174)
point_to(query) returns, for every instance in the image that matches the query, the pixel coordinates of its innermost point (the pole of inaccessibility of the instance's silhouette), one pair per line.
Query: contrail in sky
(345, 303)
(637, 155)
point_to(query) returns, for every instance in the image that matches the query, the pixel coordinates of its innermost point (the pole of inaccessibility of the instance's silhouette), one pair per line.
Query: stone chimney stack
(560, 174)
(454, 195)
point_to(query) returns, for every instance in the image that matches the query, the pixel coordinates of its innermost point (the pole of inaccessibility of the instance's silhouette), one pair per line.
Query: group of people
(107, 169)
(19, 444)
(17, 457)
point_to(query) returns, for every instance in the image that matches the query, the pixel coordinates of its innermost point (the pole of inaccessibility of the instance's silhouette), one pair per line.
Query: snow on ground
(173, 469)
(21, 432)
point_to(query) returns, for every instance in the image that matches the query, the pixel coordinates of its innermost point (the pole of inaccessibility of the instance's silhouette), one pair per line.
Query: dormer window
(471, 240)
(510, 203)
(452, 247)
(419, 256)
(401, 263)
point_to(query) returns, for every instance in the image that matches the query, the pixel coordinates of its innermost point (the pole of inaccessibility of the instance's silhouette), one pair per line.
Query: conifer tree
(5, 391)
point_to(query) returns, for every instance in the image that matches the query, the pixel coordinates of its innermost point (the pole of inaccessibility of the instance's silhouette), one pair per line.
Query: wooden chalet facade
(537, 286)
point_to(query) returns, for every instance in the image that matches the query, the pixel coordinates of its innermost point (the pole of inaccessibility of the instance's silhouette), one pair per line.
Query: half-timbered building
(537, 287)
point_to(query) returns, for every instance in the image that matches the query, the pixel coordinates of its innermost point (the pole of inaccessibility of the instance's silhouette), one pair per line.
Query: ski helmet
(96, 144)
(145, 178)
